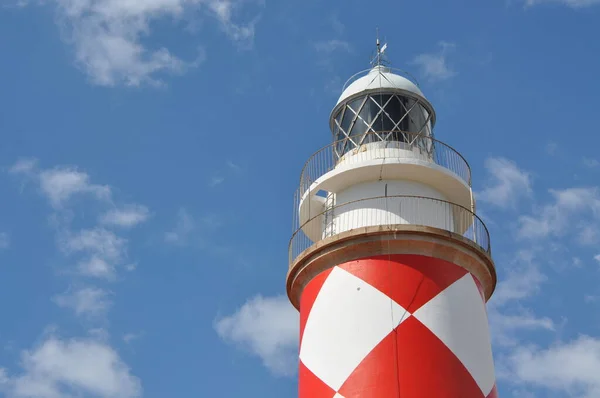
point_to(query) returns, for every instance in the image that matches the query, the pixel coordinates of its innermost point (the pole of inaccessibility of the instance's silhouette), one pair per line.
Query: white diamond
(457, 317)
(348, 319)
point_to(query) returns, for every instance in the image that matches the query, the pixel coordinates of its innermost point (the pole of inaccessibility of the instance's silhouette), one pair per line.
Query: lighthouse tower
(390, 267)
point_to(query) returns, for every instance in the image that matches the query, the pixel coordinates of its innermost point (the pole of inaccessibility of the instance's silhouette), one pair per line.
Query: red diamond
(410, 280)
(310, 386)
(427, 368)
(309, 295)
(375, 377)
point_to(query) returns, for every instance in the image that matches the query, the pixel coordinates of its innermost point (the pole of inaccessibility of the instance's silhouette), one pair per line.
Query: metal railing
(390, 210)
(414, 144)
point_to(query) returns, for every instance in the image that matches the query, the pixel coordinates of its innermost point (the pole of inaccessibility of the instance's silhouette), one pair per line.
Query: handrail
(325, 159)
(391, 210)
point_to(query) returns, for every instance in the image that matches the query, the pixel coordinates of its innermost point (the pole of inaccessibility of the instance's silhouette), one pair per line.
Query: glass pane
(338, 117)
(355, 105)
(359, 128)
(369, 111)
(417, 117)
(347, 119)
(381, 99)
(337, 120)
(377, 124)
(387, 123)
(396, 111)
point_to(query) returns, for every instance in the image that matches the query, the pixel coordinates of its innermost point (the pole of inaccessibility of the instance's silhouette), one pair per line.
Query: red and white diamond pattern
(402, 326)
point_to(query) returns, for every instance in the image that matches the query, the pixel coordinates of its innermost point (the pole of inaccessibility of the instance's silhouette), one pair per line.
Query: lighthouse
(389, 265)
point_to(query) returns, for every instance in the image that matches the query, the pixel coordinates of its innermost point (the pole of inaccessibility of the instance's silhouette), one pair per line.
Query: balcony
(387, 145)
(389, 211)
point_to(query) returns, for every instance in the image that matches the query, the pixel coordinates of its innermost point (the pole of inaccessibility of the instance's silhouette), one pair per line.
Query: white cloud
(567, 210)
(76, 367)
(216, 180)
(96, 267)
(89, 301)
(434, 66)
(570, 368)
(4, 240)
(127, 217)
(130, 337)
(102, 248)
(591, 163)
(267, 327)
(568, 3)
(588, 234)
(333, 45)
(551, 148)
(24, 166)
(98, 240)
(61, 183)
(224, 11)
(506, 323)
(109, 36)
(185, 225)
(524, 280)
(233, 166)
(507, 183)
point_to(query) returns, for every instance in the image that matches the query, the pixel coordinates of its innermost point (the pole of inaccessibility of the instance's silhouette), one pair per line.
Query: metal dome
(380, 77)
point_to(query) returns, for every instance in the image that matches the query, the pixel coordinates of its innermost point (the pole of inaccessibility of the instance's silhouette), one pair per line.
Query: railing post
(473, 215)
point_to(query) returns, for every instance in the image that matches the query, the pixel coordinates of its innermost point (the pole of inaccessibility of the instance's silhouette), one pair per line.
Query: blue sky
(151, 148)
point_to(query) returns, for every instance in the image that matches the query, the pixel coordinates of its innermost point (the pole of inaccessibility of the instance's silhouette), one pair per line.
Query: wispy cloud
(567, 210)
(107, 36)
(234, 166)
(127, 217)
(24, 166)
(266, 327)
(216, 180)
(570, 368)
(185, 225)
(507, 183)
(73, 367)
(102, 249)
(551, 148)
(337, 25)
(4, 240)
(99, 251)
(330, 46)
(88, 366)
(224, 11)
(61, 183)
(130, 337)
(590, 163)
(569, 3)
(88, 301)
(434, 66)
(524, 279)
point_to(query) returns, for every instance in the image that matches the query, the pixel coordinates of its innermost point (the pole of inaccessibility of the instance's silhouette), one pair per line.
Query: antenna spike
(379, 58)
